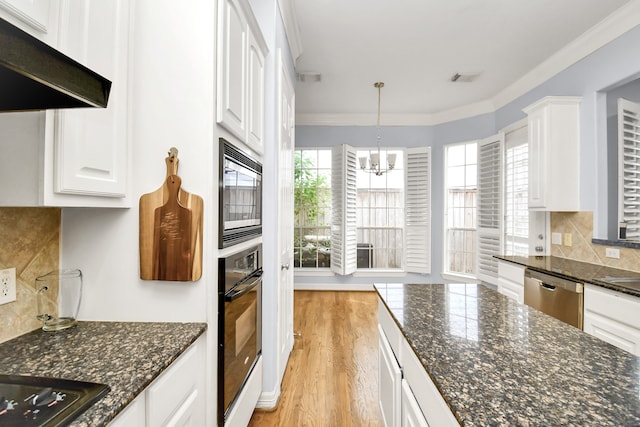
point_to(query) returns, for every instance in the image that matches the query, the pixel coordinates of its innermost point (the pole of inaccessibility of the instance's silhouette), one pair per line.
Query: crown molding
(609, 29)
(291, 27)
(612, 27)
(427, 119)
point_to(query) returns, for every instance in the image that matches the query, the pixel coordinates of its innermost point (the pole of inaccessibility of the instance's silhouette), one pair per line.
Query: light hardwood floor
(332, 375)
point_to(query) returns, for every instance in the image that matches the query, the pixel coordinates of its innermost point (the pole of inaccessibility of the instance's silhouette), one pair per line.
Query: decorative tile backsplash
(580, 226)
(31, 244)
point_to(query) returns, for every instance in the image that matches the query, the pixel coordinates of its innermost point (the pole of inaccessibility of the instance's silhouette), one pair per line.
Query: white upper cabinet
(78, 156)
(89, 148)
(35, 17)
(554, 154)
(241, 53)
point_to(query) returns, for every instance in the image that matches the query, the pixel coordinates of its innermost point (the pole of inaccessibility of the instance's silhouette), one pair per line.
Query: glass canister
(58, 296)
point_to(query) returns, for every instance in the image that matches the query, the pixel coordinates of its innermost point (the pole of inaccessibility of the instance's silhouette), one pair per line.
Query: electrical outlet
(566, 239)
(7, 285)
(612, 253)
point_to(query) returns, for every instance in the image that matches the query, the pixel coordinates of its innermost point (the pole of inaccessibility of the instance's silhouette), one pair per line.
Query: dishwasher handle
(551, 283)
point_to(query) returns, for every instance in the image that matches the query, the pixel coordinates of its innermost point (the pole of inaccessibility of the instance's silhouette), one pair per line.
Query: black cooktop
(40, 401)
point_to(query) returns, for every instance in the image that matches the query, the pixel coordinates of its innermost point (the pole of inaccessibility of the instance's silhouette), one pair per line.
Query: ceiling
(416, 46)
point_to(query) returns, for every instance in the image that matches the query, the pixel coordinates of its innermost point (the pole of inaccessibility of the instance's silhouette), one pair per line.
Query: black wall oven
(239, 323)
(240, 196)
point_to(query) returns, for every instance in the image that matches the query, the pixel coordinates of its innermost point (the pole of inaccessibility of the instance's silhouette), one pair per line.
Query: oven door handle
(244, 288)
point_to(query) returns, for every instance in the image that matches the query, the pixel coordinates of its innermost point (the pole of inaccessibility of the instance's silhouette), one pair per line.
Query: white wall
(172, 104)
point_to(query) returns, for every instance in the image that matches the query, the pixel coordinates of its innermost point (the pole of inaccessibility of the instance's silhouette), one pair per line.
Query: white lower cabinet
(407, 396)
(176, 398)
(613, 317)
(411, 413)
(389, 382)
(134, 415)
(511, 280)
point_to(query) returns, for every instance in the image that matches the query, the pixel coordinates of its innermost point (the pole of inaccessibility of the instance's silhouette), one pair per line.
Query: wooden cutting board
(171, 231)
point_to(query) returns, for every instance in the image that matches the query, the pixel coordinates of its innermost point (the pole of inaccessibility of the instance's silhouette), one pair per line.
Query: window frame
(446, 272)
(301, 268)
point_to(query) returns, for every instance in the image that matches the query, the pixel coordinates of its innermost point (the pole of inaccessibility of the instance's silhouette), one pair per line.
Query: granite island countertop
(600, 275)
(498, 362)
(127, 356)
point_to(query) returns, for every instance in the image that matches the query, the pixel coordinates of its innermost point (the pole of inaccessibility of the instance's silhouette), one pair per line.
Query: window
(312, 208)
(516, 230)
(460, 208)
(348, 219)
(380, 215)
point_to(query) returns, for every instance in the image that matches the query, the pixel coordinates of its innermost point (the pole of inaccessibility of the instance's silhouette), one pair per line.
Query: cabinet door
(256, 95)
(537, 151)
(90, 149)
(176, 398)
(134, 415)
(232, 68)
(389, 382)
(411, 413)
(35, 15)
(511, 280)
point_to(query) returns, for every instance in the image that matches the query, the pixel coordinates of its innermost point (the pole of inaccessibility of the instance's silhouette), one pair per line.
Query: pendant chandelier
(372, 164)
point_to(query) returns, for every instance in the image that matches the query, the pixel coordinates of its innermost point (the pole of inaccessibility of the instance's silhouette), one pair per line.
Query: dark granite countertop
(127, 356)
(498, 362)
(600, 275)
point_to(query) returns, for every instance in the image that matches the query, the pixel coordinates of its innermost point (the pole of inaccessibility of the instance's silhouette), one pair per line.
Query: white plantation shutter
(418, 210)
(629, 166)
(343, 200)
(489, 231)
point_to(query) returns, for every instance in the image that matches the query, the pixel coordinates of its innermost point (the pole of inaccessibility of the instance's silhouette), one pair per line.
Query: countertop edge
(413, 348)
(161, 369)
(126, 356)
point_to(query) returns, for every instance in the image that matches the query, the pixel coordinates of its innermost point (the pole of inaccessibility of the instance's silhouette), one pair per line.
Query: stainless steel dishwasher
(555, 296)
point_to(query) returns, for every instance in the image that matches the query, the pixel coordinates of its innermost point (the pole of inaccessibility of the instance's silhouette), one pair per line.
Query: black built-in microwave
(240, 196)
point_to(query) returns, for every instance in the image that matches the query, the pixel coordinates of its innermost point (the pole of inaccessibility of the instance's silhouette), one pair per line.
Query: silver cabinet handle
(284, 266)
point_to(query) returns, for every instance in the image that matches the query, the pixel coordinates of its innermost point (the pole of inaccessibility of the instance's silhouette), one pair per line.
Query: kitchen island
(127, 356)
(498, 362)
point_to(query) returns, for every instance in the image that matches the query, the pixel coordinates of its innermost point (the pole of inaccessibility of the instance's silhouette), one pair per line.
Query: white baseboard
(269, 399)
(332, 287)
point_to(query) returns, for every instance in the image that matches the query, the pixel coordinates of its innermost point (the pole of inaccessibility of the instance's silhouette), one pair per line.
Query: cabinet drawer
(615, 305)
(390, 329)
(512, 272)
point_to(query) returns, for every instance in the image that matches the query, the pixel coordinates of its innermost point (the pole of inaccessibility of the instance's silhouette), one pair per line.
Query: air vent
(309, 77)
(465, 77)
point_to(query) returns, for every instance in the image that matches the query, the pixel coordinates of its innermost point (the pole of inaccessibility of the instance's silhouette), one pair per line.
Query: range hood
(35, 76)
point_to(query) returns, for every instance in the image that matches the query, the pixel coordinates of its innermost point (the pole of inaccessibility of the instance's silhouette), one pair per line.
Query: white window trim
(515, 136)
(445, 216)
(464, 278)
